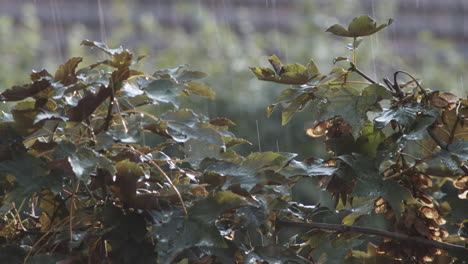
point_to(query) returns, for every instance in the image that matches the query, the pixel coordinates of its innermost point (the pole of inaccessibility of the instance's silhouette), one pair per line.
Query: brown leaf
(318, 130)
(438, 101)
(429, 213)
(146, 201)
(421, 227)
(36, 75)
(66, 72)
(409, 219)
(421, 180)
(461, 183)
(88, 104)
(17, 93)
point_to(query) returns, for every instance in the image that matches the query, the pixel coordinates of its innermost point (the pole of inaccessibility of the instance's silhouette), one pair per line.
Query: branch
(365, 76)
(395, 77)
(377, 232)
(354, 68)
(417, 163)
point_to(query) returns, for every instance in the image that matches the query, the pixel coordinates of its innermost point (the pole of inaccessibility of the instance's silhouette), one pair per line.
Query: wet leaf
(286, 74)
(404, 115)
(370, 139)
(46, 115)
(181, 233)
(209, 209)
(358, 27)
(83, 161)
(101, 46)
(163, 91)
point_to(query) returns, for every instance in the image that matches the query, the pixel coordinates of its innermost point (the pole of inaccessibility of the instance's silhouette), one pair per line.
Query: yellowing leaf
(201, 90)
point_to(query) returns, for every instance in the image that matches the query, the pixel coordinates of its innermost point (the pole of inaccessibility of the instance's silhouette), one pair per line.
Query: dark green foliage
(79, 184)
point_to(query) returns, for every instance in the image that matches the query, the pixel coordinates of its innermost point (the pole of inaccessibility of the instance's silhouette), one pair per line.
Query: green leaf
(370, 183)
(209, 209)
(102, 47)
(405, 115)
(296, 105)
(348, 103)
(121, 58)
(317, 168)
(188, 76)
(248, 172)
(459, 149)
(370, 139)
(182, 233)
(267, 160)
(201, 90)
(286, 74)
(130, 90)
(26, 169)
(334, 251)
(358, 27)
(456, 153)
(359, 208)
(197, 150)
(83, 161)
(164, 91)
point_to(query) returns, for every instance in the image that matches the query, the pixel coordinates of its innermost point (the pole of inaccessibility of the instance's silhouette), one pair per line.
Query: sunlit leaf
(201, 90)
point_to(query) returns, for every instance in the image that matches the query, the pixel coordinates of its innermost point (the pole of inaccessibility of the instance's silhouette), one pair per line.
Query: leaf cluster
(78, 183)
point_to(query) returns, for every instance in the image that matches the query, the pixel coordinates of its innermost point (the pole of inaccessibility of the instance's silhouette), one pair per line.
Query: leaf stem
(354, 50)
(377, 232)
(355, 69)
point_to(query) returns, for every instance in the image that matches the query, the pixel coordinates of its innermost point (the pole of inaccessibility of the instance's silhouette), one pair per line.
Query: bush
(80, 185)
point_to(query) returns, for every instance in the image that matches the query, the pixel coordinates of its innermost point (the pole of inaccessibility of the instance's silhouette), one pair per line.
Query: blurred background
(224, 37)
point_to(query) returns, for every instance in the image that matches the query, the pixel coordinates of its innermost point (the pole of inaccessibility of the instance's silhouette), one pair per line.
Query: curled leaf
(318, 130)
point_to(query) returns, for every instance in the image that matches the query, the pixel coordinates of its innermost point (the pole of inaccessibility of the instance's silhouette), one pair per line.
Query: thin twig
(377, 232)
(395, 77)
(70, 224)
(418, 162)
(160, 170)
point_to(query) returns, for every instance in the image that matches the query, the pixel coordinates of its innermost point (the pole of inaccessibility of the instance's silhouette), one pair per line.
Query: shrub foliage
(79, 184)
